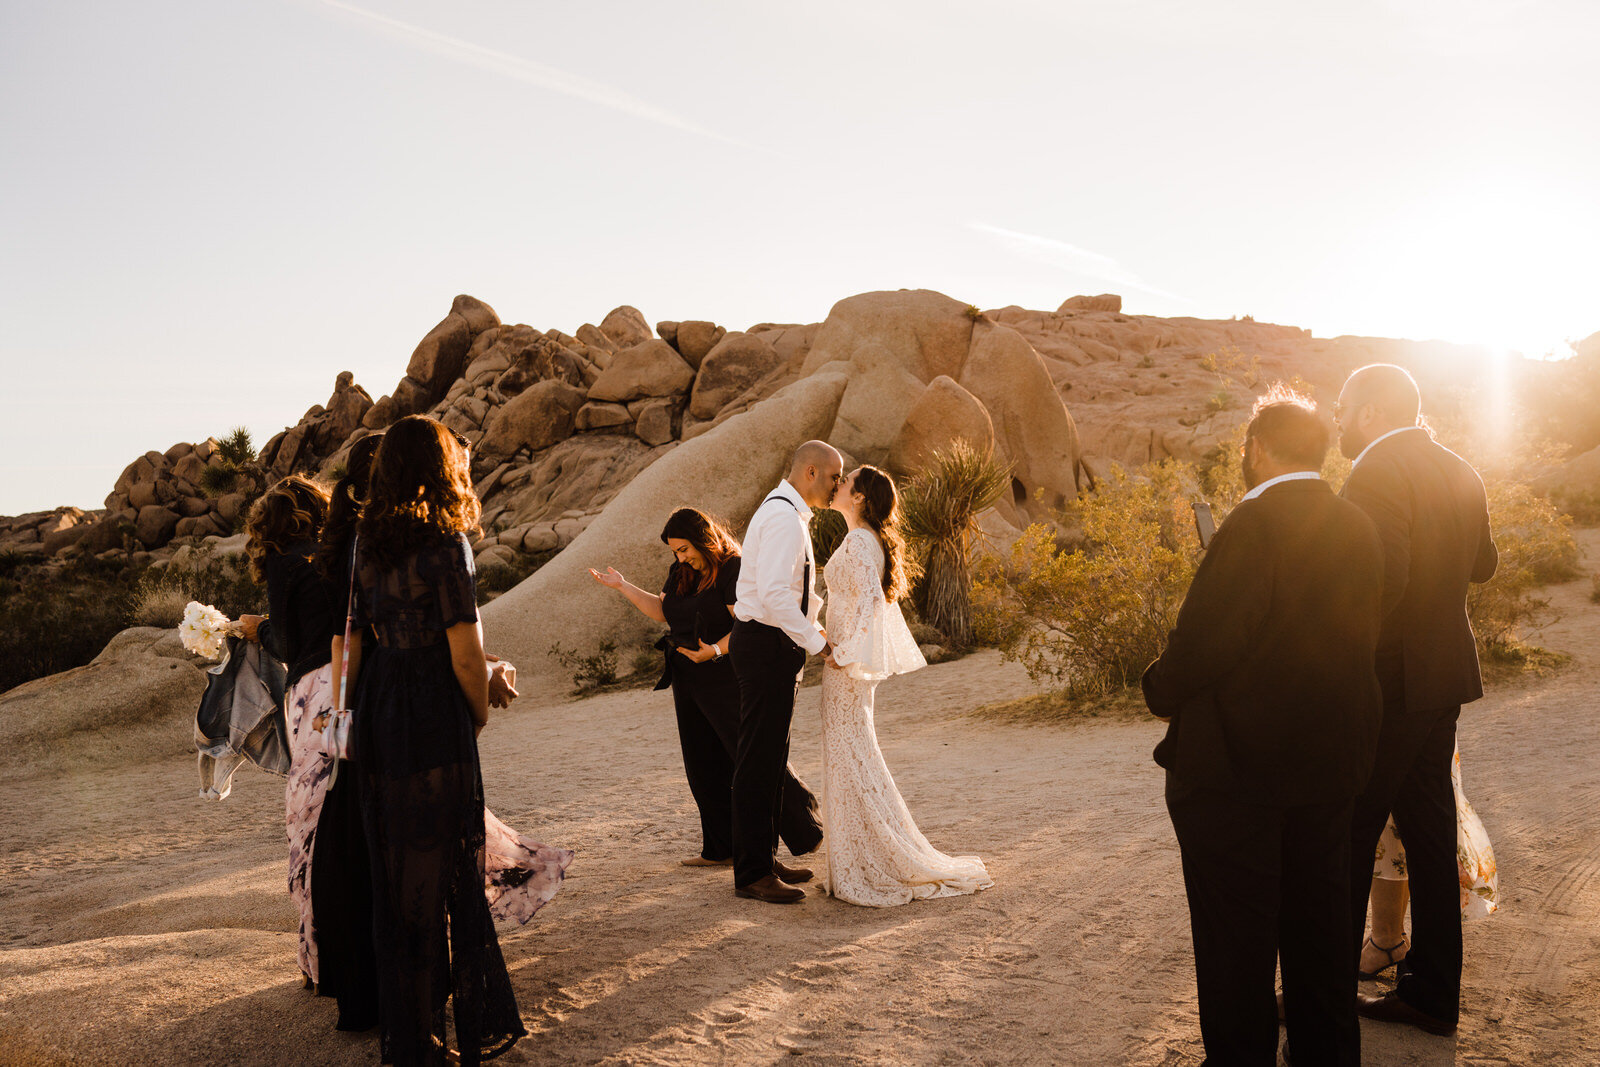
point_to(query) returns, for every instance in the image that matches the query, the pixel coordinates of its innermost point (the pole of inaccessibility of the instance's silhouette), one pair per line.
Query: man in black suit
(1430, 509)
(1273, 704)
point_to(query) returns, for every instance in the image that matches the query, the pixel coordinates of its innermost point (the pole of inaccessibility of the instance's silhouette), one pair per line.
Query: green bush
(592, 671)
(56, 618)
(1089, 617)
(827, 530)
(1536, 549)
(223, 582)
(941, 504)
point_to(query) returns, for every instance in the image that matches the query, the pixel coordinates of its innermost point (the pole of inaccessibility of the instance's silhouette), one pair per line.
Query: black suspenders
(805, 589)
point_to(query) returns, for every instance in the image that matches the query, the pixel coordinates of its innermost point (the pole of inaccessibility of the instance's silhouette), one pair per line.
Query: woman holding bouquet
(282, 528)
(421, 696)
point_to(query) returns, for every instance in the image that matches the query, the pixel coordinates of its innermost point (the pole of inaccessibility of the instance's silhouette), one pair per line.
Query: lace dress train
(876, 855)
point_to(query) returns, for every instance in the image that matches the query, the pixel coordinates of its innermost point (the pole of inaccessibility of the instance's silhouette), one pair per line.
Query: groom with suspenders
(775, 629)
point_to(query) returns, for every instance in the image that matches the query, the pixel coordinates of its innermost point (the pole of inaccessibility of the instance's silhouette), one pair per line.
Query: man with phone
(1272, 701)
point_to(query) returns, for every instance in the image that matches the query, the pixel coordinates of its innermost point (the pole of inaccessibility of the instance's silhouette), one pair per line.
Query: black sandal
(1370, 975)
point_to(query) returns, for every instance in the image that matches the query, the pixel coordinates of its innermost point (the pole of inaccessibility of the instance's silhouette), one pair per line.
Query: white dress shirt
(777, 546)
(1376, 440)
(1292, 476)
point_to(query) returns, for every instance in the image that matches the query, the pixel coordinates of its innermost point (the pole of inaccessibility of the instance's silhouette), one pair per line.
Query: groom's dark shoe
(771, 890)
(1389, 1008)
(792, 875)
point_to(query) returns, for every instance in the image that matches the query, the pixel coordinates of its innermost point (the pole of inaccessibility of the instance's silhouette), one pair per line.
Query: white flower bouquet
(204, 629)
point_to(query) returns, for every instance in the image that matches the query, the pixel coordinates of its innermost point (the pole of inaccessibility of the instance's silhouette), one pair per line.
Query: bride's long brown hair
(880, 510)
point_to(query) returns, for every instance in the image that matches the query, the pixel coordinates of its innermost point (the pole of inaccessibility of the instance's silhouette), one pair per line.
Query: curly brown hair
(880, 510)
(421, 488)
(709, 537)
(289, 513)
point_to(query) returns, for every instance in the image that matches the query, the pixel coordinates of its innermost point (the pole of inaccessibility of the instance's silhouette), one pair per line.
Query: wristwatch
(716, 652)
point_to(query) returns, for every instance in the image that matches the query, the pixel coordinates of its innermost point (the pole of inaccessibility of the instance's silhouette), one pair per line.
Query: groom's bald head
(815, 470)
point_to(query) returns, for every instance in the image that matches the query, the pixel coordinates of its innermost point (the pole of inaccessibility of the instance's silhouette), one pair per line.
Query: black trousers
(1411, 780)
(1268, 882)
(767, 664)
(706, 699)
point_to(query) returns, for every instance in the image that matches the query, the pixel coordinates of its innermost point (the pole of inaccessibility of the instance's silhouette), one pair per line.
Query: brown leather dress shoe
(771, 890)
(1389, 1008)
(792, 875)
(701, 861)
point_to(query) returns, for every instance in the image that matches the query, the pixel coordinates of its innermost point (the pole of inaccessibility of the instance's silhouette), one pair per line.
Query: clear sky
(208, 208)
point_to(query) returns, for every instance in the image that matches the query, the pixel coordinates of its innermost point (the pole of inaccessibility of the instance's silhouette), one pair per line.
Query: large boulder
(1032, 428)
(475, 313)
(726, 471)
(648, 369)
(739, 361)
(944, 413)
(597, 415)
(155, 525)
(134, 702)
(1103, 302)
(696, 338)
(925, 332)
(534, 419)
(441, 356)
(626, 327)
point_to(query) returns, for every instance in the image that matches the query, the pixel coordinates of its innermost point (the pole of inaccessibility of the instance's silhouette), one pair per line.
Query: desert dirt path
(142, 925)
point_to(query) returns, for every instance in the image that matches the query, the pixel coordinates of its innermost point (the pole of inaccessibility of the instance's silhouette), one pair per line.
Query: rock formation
(585, 441)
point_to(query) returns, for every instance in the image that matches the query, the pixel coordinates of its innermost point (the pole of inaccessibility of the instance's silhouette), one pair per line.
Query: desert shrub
(56, 618)
(1536, 548)
(941, 505)
(1088, 618)
(592, 670)
(1584, 508)
(496, 578)
(224, 582)
(827, 530)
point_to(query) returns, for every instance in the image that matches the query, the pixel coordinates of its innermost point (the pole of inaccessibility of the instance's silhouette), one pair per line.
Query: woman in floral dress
(1387, 944)
(283, 527)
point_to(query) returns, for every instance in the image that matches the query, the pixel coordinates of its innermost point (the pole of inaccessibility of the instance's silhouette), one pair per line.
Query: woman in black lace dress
(421, 696)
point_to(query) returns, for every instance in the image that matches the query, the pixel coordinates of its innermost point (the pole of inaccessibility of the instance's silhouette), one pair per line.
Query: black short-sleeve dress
(422, 798)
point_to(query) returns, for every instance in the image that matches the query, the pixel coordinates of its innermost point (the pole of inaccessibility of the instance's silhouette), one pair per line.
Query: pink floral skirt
(520, 874)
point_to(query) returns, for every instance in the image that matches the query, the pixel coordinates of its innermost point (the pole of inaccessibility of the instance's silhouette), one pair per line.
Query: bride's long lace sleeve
(870, 638)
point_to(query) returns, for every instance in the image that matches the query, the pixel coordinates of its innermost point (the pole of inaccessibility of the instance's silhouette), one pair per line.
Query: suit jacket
(1431, 511)
(1269, 676)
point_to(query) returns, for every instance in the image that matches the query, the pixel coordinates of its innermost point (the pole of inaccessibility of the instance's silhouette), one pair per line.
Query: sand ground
(143, 925)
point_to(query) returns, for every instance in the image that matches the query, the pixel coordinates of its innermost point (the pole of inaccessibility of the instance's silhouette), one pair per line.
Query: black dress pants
(706, 699)
(767, 664)
(1411, 781)
(1268, 882)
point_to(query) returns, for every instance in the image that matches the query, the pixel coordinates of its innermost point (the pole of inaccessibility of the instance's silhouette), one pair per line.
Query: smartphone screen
(1204, 525)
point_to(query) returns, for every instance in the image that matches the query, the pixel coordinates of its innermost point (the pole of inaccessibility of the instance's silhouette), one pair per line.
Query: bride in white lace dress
(876, 854)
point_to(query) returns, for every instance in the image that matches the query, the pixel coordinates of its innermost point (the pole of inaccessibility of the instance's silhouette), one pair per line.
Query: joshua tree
(941, 505)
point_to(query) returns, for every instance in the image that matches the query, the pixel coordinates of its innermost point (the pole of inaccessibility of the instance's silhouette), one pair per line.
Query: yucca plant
(941, 504)
(237, 449)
